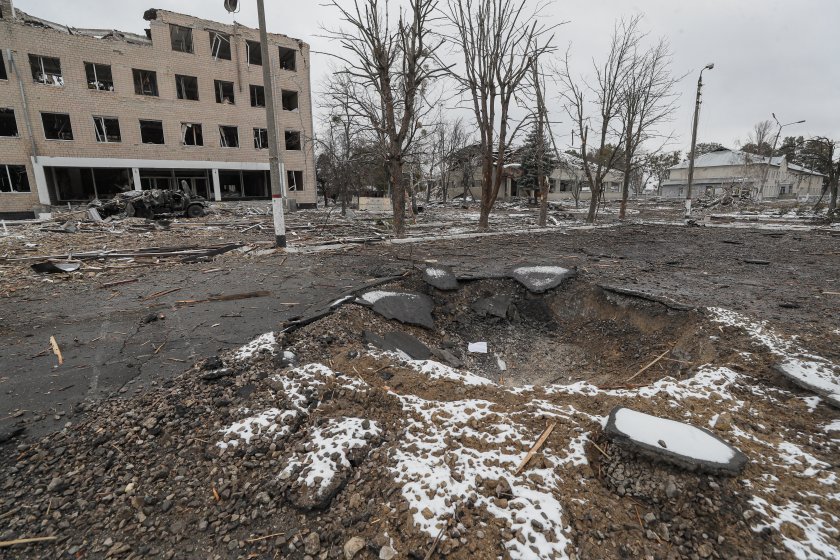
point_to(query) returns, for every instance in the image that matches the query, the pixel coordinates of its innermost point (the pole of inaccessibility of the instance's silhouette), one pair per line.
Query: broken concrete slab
(541, 278)
(448, 357)
(683, 445)
(440, 277)
(409, 308)
(408, 344)
(494, 306)
(371, 337)
(821, 377)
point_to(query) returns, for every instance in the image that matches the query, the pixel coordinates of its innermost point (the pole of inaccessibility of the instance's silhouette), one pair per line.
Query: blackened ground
(110, 345)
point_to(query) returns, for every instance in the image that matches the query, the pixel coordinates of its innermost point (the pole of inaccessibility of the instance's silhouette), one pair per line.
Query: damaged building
(87, 113)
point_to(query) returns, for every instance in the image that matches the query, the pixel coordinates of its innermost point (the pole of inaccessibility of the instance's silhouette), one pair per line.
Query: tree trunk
(625, 193)
(543, 201)
(397, 196)
(593, 203)
(486, 193)
(832, 204)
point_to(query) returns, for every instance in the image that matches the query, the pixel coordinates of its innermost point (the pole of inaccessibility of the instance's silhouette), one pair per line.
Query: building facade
(759, 177)
(88, 113)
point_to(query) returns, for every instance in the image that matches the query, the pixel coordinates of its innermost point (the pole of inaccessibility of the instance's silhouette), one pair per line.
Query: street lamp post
(772, 151)
(275, 165)
(694, 139)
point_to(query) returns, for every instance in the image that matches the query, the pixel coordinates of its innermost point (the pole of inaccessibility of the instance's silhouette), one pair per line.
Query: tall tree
(760, 140)
(498, 39)
(538, 160)
(707, 148)
(607, 87)
(657, 165)
(649, 102)
(823, 155)
(392, 62)
(792, 148)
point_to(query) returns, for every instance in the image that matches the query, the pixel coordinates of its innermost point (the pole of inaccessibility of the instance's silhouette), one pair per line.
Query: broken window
(13, 179)
(294, 181)
(57, 126)
(145, 82)
(292, 140)
(220, 45)
(255, 184)
(254, 53)
(3, 75)
(107, 129)
(191, 134)
(187, 87)
(228, 136)
(151, 132)
(290, 100)
(181, 38)
(99, 76)
(8, 124)
(46, 70)
(224, 92)
(287, 59)
(257, 96)
(261, 138)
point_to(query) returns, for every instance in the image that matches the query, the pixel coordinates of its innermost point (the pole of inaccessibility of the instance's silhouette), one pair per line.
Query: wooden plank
(536, 447)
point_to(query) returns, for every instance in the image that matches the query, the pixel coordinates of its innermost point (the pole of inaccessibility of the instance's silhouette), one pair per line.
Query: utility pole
(694, 139)
(275, 166)
(541, 179)
(770, 159)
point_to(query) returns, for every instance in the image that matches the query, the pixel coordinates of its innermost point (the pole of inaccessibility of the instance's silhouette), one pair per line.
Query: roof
(94, 33)
(725, 157)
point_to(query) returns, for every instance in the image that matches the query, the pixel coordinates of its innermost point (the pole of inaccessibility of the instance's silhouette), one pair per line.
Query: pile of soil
(314, 444)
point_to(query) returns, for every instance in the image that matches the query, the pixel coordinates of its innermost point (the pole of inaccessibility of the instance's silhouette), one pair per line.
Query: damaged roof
(106, 34)
(724, 157)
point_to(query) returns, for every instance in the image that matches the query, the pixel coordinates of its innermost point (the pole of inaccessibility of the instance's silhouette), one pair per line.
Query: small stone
(387, 553)
(108, 542)
(650, 517)
(312, 544)
(149, 422)
(671, 489)
(704, 550)
(427, 513)
(129, 489)
(56, 484)
(352, 547)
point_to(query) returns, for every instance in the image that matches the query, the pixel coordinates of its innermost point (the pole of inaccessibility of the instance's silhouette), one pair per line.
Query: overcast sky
(779, 56)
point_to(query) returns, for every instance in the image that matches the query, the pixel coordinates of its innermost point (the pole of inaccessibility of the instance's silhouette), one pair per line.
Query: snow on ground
(436, 272)
(448, 444)
(264, 343)
(328, 446)
(678, 438)
(271, 421)
(813, 371)
(375, 295)
(436, 370)
(807, 523)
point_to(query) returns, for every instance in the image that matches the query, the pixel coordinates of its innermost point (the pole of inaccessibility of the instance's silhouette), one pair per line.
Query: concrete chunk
(440, 277)
(409, 308)
(683, 445)
(539, 279)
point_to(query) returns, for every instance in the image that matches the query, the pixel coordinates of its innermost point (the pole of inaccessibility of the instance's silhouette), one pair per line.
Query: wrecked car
(151, 204)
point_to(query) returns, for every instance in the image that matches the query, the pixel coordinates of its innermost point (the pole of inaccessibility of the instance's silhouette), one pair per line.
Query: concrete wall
(81, 103)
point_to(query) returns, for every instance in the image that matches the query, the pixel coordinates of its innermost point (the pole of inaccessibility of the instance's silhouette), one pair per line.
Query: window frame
(253, 89)
(4, 75)
(284, 55)
(5, 170)
(293, 133)
(222, 139)
(40, 58)
(283, 94)
(217, 85)
(162, 132)
(223, 37)
(258, 138)
(96, 81)
(192, 126)
(178, 88)
(14, 120)
(188, 43)
(249, 49)
(100, 120)
(138, 86)
(292, 184)
(69, 122)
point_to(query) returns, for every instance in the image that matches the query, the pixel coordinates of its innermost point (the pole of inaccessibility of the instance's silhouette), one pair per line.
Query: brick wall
(82, 103)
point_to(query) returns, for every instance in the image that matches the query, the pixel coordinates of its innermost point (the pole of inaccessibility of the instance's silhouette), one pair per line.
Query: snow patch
(817, 527)
(376, 295)
(264, 343)
(271, 421)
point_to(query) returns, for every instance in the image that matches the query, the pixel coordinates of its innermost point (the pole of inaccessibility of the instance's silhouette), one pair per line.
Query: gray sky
(779, 56)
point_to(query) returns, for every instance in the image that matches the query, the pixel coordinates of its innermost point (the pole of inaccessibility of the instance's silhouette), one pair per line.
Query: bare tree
(607, 87)
(393, 64)
(451, 138)
(759, 141)
(499, 39)
(649, 101)
(820, 154)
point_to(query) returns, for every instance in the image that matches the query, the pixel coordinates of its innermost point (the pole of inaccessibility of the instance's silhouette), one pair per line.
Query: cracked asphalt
(111, 348)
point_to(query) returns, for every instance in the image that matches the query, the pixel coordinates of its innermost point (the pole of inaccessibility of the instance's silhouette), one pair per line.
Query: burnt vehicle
(151, 204)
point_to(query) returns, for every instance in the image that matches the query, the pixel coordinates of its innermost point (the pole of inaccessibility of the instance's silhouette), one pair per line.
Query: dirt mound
(314, 444)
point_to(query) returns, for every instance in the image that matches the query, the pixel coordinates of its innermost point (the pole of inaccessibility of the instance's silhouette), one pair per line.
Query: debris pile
(313, 443)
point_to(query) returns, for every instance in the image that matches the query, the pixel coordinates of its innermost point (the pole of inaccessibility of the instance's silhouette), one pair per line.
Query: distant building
(87, 113)
(563, 181)
(740, 172)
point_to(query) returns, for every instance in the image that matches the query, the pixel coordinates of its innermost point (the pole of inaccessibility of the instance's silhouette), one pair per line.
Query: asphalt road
(111, 347)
